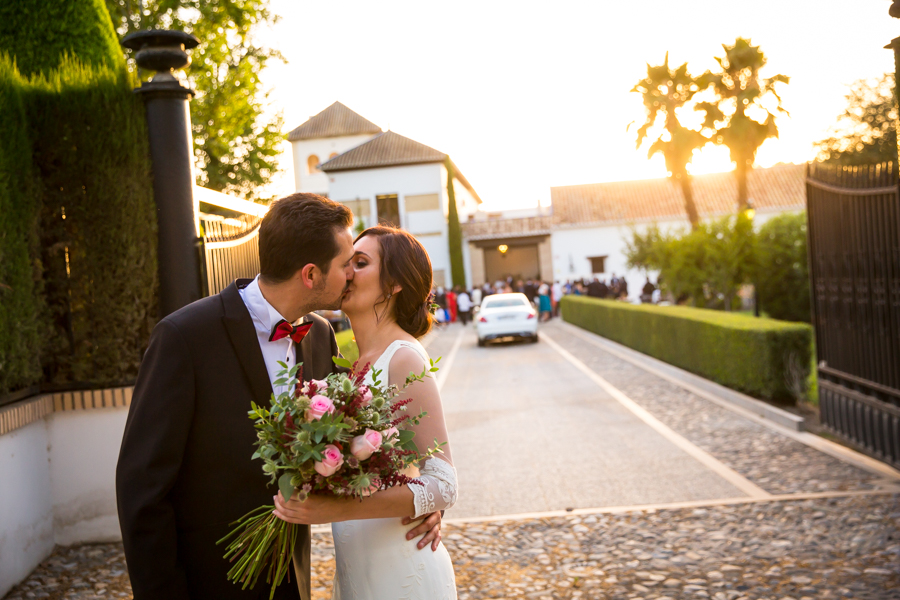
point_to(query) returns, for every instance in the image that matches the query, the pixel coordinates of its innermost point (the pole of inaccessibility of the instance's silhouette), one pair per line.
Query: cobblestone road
(726, 547)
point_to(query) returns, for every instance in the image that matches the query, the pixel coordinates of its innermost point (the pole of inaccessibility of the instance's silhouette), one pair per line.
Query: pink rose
(363, 446)
(320, 385)
(318, 406)
(332, 459)
(389, 433)
(366, 394)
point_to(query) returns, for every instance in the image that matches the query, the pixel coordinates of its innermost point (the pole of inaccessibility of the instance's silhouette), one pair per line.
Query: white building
(585, 235)
(383, 178)
(324, 136)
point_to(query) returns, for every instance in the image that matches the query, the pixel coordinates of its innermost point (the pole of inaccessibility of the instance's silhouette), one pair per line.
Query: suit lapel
(243, 338)
(304, 354)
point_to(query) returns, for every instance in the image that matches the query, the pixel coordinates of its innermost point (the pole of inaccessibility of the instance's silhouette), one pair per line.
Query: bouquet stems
(263, 542)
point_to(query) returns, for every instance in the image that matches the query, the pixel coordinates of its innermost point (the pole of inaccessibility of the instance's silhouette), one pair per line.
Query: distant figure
(464, 305)
(556, 295)
(530, 290)
(476, 296)
(595, 289)
(647, 292)
(545, 307)
(451, 303)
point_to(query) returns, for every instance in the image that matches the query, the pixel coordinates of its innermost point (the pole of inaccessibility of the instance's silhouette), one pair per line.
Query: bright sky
(526, 95)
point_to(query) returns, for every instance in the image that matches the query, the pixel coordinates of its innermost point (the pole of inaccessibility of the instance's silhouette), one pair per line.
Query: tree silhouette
(664, 91)
(739, 90)
(865, 133)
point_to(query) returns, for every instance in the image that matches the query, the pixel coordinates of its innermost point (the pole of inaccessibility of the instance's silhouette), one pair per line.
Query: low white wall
(57, 486)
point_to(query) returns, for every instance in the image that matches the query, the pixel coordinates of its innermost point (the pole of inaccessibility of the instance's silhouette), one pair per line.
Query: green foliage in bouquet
(335, 437)
(20, 304)
(748, 354)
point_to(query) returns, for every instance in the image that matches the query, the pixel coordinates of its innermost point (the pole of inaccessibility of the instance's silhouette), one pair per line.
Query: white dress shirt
(265, 317)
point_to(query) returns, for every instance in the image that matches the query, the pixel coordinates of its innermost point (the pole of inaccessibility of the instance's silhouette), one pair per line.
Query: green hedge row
(20, 302)
(744, 353)
(98, 221)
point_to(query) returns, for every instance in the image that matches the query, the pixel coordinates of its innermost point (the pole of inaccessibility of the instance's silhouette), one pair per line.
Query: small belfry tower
(322, 137)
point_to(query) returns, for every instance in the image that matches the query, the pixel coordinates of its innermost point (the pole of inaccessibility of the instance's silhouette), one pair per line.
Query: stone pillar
(545, 260)
(171, 152)
(476, 265)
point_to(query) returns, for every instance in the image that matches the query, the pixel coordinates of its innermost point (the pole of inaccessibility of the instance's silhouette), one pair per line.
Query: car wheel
(480, 342)
(534, 339)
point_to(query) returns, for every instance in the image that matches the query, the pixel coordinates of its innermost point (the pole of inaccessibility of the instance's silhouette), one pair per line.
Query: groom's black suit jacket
(185, 472)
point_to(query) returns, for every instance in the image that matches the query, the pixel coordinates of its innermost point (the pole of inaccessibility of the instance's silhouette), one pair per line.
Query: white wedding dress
(374, 560)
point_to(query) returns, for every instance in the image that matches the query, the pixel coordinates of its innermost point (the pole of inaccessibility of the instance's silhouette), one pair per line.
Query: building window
(598, 264)
(388, 210)
(313, 164)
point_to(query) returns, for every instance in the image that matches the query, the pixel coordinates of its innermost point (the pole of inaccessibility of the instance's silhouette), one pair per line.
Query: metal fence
(854, 266)
(231, 249)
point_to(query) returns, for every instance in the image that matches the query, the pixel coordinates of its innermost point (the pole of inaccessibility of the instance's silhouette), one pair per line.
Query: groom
(184, 471)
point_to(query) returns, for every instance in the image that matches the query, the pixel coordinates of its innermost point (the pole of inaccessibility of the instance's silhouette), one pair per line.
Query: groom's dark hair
(298, 230)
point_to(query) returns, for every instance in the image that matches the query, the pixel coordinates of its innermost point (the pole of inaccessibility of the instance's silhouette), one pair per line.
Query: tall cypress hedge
(39, 33)
(98, 221)
(454, 231)
(20, 304)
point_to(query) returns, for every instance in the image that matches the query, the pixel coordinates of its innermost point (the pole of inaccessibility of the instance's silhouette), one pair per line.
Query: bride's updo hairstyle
(404, 262)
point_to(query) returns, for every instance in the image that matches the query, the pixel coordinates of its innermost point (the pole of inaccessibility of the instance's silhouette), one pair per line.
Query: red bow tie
(284, 329)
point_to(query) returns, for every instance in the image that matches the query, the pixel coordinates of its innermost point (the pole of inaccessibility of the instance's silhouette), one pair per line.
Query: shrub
(98, 221)
(783, 278)
(19, 301)
(39, 33)
(744, 353)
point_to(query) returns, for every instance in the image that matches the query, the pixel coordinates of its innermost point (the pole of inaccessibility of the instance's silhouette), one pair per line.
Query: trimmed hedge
(98, 222)
(39, 33)
(744, 353)
(20, 304)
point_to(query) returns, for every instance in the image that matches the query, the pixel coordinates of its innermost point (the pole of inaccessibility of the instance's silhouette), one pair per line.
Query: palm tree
(664, 91)
(739, 90)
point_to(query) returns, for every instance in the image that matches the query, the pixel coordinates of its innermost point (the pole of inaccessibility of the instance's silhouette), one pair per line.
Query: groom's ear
(308, 275)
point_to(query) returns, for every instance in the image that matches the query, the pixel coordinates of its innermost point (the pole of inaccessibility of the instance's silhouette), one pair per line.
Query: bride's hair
(404, 262)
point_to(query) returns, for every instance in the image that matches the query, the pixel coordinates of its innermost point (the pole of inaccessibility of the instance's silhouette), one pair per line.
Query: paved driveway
(532, 433)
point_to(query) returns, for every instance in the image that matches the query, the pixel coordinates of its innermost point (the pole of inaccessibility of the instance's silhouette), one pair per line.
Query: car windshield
(504, 302)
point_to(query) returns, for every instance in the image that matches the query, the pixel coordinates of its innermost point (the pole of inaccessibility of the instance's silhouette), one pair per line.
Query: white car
(506, 315)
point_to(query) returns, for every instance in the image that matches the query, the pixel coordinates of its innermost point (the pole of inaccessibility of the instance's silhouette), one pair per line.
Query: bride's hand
(315, 510)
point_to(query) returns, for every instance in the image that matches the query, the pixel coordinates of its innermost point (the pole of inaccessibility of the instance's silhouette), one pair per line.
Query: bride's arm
(439, 491)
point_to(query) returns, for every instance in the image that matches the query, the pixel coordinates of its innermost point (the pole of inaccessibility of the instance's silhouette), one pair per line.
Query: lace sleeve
(438, 490)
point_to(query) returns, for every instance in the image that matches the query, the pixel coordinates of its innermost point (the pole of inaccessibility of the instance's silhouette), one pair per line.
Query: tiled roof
(779, 187)
(390, 150)
(506, 228)
(334, 121)
(386, 150)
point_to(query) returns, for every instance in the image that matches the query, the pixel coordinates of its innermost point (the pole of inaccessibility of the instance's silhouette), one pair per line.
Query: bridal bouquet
(336, 436)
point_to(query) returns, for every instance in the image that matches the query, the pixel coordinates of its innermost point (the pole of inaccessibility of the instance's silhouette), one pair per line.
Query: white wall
(57, 486)
(430, 227)
(572, 247)
(317, 183)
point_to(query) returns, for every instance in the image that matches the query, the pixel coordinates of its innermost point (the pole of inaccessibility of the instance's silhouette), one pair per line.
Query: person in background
(451, 303)
(520, 286)
(594, 290)
(556, 292)
(487, 290)
(545, 306)
(530, 290)
(476, 296)
(647, 292)
(464, 306)
(622, 289)
(440, 298)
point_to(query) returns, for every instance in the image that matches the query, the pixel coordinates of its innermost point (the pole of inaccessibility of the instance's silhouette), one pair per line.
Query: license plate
(506, 317)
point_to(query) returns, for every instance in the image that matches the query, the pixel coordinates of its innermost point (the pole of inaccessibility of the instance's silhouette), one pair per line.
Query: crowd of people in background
(458, 304)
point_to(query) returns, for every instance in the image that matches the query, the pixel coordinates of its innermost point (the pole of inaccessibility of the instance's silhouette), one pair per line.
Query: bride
(388, 304)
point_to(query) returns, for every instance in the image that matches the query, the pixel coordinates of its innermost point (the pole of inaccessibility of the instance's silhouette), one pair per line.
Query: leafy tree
(865, 132)
(706, 265)
(783, 275)
(664, 91)
(235, 142)
(454, 230)
(739, 116)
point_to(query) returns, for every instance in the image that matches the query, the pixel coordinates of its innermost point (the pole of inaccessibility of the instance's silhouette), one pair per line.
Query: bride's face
(364, 290)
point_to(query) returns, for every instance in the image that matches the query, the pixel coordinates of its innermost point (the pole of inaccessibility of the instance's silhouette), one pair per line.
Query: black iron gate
(854, 267)
(230, 250)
